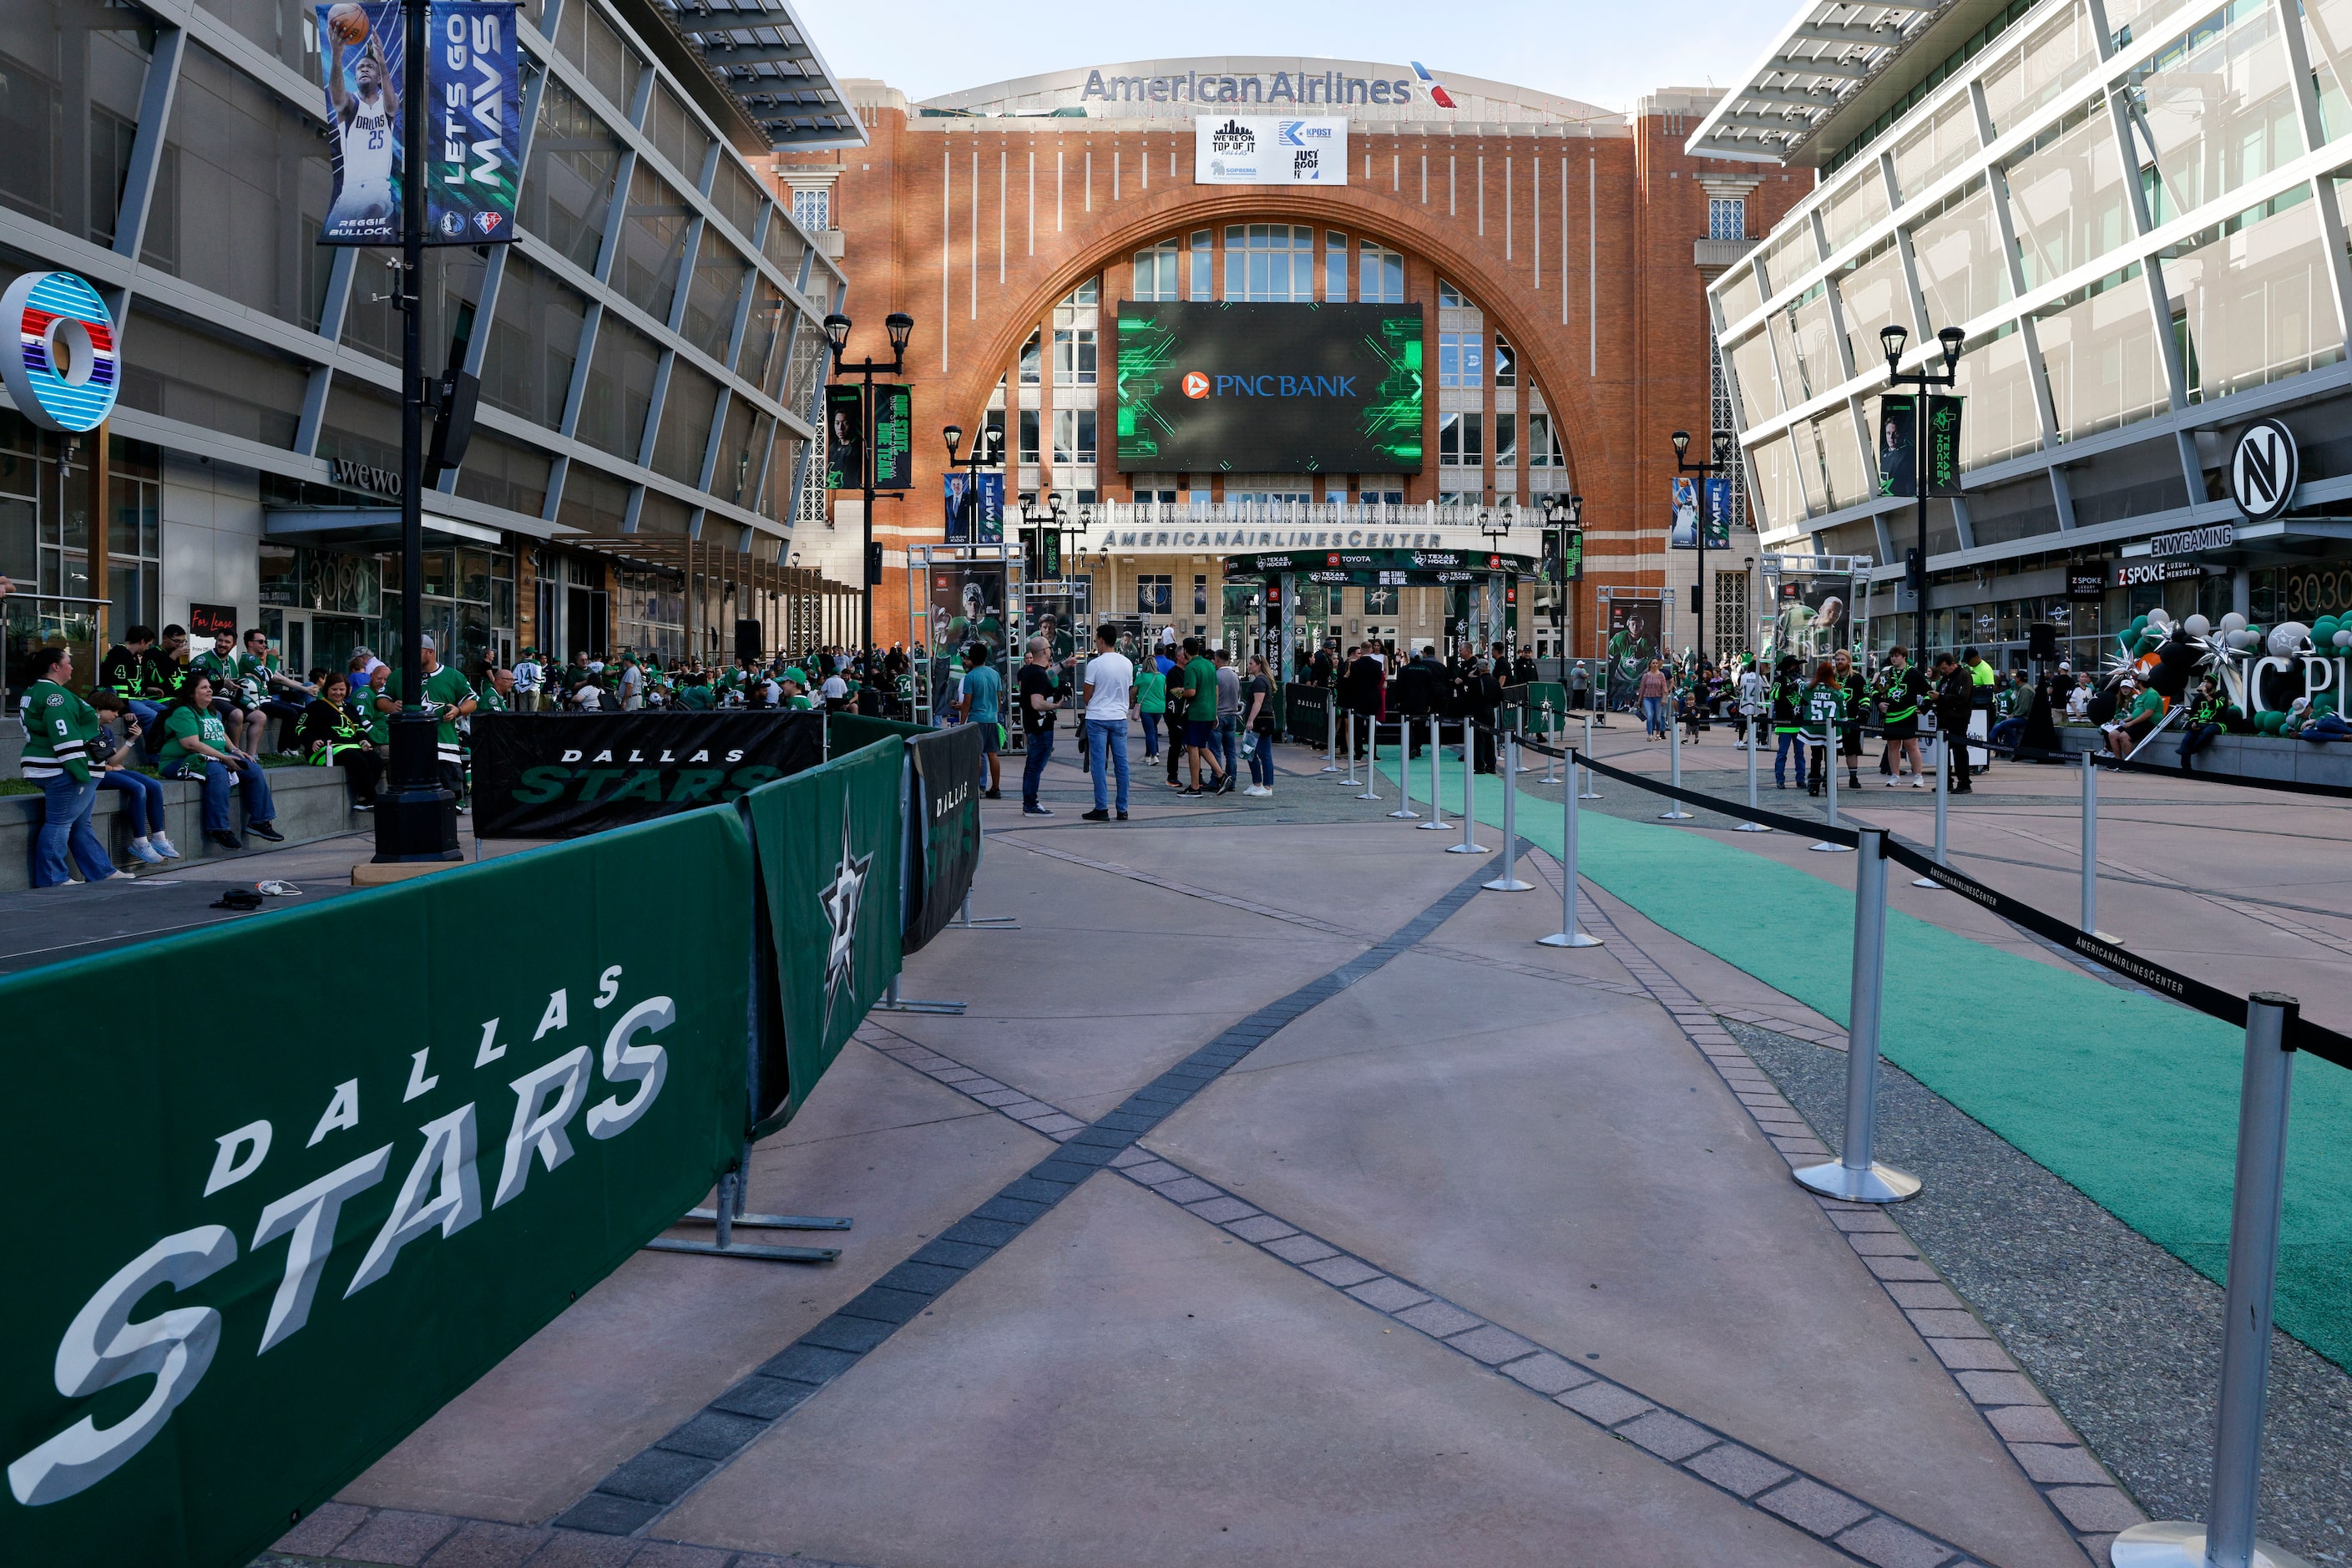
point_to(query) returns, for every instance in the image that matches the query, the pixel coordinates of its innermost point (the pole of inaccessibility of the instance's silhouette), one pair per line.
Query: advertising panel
(966, 604)
(1634, 639)
(893, 453)
(974, 507)
(562, 775)
(949, 770)
(1898, 446)
(1814, 606)
(1691, 503)
(1268, 150)
(473, 85)
(845, 436)
(1049, 616)
(243, 1269)
(1209, 386)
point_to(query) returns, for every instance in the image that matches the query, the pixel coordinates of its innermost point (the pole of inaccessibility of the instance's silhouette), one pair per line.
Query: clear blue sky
(1606, 55)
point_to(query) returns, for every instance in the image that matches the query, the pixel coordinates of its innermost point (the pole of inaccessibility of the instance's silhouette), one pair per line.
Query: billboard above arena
(1213, 387)
(1267, 150)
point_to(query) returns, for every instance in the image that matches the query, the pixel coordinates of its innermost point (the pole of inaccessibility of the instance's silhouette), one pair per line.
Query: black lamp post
(1722, 464)
(987, 452)
(901, 327)
(1563, 515)
(1891, 339)
(415, 818)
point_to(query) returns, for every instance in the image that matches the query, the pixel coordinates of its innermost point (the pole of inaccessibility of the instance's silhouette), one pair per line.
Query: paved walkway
(1276, 1200)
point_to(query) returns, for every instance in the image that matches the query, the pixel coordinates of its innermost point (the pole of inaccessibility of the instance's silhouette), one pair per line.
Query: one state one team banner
(248, 1257)
(473, 129)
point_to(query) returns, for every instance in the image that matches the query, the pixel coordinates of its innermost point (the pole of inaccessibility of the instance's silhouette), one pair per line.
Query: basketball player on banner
(364, 104)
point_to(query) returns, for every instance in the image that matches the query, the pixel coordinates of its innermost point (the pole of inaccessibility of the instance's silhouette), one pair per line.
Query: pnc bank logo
(1200, 383)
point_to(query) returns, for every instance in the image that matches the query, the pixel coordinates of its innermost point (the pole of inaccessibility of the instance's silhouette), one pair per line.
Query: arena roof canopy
(761, 53)
(1264, 84)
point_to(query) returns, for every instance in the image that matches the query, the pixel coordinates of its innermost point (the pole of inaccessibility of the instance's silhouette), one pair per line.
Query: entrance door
(332, 638)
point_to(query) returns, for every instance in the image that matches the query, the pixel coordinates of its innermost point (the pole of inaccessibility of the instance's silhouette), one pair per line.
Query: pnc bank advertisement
(1215, 386)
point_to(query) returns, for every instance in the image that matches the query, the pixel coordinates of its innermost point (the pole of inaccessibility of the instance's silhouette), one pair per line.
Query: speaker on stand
(749, 643)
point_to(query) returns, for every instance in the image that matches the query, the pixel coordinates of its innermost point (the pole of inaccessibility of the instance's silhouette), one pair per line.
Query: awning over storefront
(378, 528)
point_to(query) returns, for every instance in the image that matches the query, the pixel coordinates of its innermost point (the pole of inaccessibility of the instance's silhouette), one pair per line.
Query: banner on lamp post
(473, 106)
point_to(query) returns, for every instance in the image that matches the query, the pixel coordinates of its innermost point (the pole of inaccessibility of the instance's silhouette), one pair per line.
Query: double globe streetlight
(901, 328)
(1724, 442)
(1891, 339)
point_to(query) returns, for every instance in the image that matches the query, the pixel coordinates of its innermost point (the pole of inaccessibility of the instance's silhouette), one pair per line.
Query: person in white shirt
(837, 693)
(529, 674)
(1109, 693)
(633, 684)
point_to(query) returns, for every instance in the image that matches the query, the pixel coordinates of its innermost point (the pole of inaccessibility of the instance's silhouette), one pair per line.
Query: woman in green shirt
(196, 746)
(1152, 701)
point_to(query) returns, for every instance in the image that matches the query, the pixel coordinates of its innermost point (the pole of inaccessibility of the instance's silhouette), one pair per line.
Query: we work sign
(247, 1257)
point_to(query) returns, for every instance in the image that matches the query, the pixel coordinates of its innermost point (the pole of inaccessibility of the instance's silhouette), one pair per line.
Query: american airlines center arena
(1342, 317)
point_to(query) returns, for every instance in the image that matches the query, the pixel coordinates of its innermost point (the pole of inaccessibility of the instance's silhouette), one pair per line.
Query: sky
(1604, 54)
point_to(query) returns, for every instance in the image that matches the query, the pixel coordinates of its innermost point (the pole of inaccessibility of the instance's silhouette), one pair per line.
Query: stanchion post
(1351, 778)
(1436, 811)
(1855, 1176)
(1551, 738)
(1674, 811)
(1509, 882)
(1405, 811)
(1753, 727)
(1828, 760)
(1590, 793)
(1371, 758)
(1568, 935)
(1330, 733)
(2090, 921)
(1469, 844)
(2227, 1538)
(1943, 798)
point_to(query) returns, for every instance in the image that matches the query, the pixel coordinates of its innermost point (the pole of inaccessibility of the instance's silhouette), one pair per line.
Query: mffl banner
(828, 842)
(559, 775)
(947, 769)
(473, 120)
(974, 506)
(246, 1261)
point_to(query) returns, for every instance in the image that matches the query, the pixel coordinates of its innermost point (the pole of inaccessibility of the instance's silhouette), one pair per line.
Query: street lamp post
(1891, 339)
(901, 327)
(1722, 464)
(1495, 523)
(1563, 515)
(415, 818)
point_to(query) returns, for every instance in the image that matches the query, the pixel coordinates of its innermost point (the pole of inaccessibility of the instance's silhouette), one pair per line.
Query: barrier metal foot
(986, 922)
(1877, 1184)
(773, 1221)
(1751, 827)
(1507, 884)
(2170, 1544)
(753, 1250)
(1567, 938)
(1678, 815)
(1828, 849)
(1467, 849)
(916, 1005)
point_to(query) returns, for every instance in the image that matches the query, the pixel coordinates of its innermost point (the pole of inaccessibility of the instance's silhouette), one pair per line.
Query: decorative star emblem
(841, 899)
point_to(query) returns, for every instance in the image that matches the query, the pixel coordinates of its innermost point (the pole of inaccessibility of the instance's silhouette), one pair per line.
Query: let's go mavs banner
(473, 109)
(244, 1264)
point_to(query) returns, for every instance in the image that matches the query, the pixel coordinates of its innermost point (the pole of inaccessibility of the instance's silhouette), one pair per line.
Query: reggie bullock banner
(246, 1258)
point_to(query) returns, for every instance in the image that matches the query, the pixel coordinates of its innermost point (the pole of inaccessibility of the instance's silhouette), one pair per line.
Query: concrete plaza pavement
(1482, 1252)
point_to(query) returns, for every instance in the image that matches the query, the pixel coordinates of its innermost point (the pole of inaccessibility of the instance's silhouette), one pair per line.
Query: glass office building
(2133, 209)
(648, 348)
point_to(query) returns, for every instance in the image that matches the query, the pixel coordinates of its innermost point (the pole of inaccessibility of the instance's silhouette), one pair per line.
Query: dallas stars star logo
(840, 900)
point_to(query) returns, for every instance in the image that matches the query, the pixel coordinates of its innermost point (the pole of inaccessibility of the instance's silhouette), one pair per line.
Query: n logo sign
(2263, 470)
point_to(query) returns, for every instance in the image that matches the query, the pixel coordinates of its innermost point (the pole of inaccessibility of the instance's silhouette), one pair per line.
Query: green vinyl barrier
(828, 842)
(248, 1260)
(845, 732)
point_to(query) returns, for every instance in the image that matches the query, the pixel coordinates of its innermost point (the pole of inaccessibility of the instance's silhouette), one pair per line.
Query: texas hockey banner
(828, 842)
(246, 1262)
(559, 775)
(473, 121)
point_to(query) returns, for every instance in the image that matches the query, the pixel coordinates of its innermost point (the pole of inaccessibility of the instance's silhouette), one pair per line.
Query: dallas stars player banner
(243, 1265)
(474, 133)
(563, 775)
(828, 842)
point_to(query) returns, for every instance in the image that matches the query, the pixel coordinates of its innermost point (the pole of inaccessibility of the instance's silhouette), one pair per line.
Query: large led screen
(1209, 387)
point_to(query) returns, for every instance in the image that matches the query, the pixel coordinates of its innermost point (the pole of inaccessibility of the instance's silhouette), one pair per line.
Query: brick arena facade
(1568, 244)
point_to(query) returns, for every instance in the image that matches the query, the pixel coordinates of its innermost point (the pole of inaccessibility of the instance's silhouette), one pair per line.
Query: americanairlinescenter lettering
(1284, 87)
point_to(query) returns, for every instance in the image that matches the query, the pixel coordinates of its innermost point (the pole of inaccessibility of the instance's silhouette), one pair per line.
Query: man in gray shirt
(1229, 715)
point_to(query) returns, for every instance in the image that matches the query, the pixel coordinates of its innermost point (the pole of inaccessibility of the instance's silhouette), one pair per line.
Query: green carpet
(2133, 1100)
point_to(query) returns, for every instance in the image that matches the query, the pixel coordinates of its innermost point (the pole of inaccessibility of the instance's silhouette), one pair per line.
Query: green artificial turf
(2133, 1100)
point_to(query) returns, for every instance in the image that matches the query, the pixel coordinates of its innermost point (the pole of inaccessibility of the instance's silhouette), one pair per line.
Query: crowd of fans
(158, 710)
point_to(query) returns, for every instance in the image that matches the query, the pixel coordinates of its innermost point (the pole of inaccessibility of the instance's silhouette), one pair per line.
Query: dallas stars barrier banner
(559, 775)
(473, 130)
(244, 1262)
(827, 843)
(948, 769)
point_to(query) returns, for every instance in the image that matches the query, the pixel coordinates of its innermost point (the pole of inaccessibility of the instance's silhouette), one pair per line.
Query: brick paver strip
(1667, 1435)
(1741, 1471)
(643, 1488)
(482, 1544)
(1809, 1505)
(1887, 1545)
